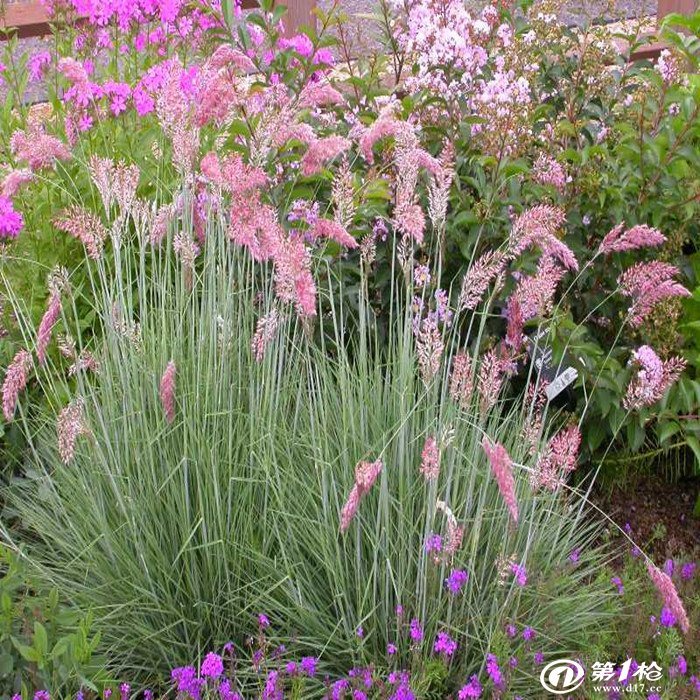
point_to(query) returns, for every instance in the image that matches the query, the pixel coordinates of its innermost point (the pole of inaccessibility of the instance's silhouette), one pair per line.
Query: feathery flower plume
(14, 181)
(619, 240)
(385, 125)
(535, 293)
(265, 331)
(429, 348)
(455, 532)
(653, 378)
(461, 382)
(321, 151)
(648, 283)
(558, 459)
(48, 321)
(115, 182)
(15, 382)
(37, 148)
(501, 466)
(490, 380)
(69, 426)
(11, 221)
(478, 278)
(293, 279)
(366, 474)
(159, 226)
(86, 227)
(538, 226)
(167, 391)
(328, 228)
(667, 590)
(439, 187)
(86, 361)
(430, 459)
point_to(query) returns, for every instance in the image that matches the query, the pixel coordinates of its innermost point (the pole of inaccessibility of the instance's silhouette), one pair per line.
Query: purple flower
(391, 649)
(308, 665)
(470, 690)
(668, 567)
(107, 693)
(11, 221)
(263, 621)
(416, 631)
(444, 644)
(667, 619)
(520, 574)
(494, 671)
(213, 666)
(42, 695)
(688, 570)
(360, 632)
(511, 631)
(456, 580)
(291, 668)
(617, 581)
(124, 690)
(528, 634)
(574, 556)
(513, 662)
(539, 657)
(433, 543)
(682, 665)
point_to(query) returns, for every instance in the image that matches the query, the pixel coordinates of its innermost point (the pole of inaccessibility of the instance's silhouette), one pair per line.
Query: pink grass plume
(15, 382)
(167, 391)
(502, 468)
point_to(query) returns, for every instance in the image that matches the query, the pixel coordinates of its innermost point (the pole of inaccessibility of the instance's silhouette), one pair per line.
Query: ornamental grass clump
(225, 456)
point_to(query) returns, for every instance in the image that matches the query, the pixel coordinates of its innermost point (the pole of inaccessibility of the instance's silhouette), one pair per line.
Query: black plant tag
(558, 376)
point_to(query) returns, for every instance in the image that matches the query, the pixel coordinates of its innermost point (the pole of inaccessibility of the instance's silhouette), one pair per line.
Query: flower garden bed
(318, 364)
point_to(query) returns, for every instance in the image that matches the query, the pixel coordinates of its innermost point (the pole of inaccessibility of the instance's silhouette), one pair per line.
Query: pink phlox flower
(37, 63)
(11, 221)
